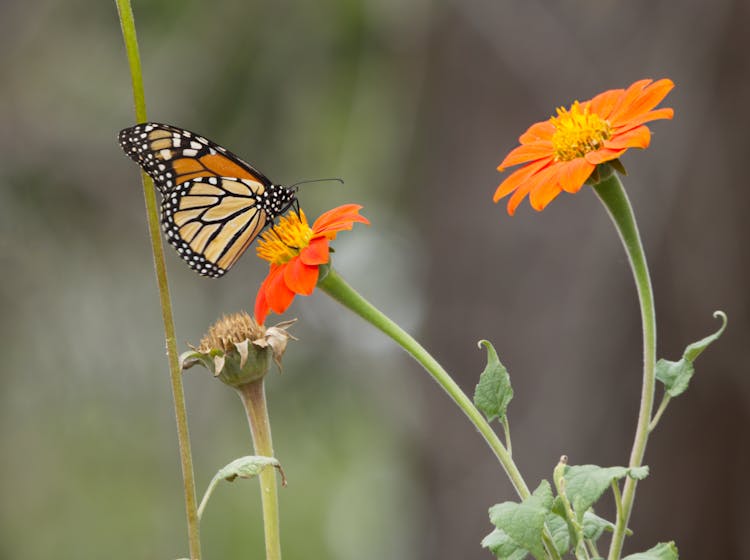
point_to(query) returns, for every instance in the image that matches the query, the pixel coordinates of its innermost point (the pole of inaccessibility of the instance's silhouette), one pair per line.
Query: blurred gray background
(414, 104)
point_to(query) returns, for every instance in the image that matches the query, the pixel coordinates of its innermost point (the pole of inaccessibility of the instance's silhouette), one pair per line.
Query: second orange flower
(561, 153)
(296, 251)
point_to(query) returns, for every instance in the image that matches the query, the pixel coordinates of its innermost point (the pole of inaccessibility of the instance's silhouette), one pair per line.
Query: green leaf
(244, 467)
(560, 533)
(676, 375)
(493, 392)
(662, 551)
(523, 523)
(584, 484)
(594, 526)
(503, 547)
(638, 473)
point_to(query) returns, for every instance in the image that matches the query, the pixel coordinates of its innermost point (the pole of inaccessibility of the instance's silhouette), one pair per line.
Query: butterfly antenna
(339, 179)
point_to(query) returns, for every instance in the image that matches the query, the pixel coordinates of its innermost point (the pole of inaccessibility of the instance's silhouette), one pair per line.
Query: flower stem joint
(237, 350)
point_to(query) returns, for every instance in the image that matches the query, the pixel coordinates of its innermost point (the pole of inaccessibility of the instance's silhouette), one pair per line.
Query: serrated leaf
(594, 526)
(585, 484)
(662, 551)
(523, 523)
(503, 547)
(676, 375)
(493, 393)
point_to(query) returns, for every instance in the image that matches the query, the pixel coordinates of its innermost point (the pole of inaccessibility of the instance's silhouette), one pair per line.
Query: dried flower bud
(238, 350)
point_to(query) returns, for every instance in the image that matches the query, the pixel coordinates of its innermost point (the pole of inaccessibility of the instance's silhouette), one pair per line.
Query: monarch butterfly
(213, 204)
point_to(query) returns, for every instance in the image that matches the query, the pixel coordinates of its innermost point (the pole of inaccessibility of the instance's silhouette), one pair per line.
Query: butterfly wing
(212, 220)
(172, 156)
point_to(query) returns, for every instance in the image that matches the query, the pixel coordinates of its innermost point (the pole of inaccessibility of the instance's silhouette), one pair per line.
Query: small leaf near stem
(244, 467)
(677, 375)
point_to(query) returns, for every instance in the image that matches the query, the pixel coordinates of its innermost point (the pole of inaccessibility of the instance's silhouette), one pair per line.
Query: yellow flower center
(578, 132)
(282, 242)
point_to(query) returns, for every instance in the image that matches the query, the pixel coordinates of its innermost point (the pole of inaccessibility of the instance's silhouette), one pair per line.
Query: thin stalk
(253, 397)
(335, 286)
(659, 412)
(127, 23)
(613, 196)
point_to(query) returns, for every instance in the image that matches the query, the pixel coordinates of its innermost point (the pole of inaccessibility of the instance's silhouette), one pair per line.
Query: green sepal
(662, 551)
(248, 362)
(494, 392)
(676, 375)
(617, 165)
(524, 523)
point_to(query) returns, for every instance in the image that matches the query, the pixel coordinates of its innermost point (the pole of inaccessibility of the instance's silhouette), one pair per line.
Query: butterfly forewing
(171, 156)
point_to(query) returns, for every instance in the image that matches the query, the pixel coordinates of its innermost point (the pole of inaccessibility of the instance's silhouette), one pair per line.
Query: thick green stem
(127, 24)
(253, 396)
(614, 198)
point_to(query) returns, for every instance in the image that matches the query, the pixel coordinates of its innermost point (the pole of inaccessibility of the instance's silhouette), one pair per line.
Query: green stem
(127, 24)
(613, 196)
(335, 286)
(506, 430)
(660, 411)
(253, 396)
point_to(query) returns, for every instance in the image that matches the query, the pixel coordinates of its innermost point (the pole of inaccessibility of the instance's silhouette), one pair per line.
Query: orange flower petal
(316, 253)
(525, 153)
(536, 185)
(639, 137)
(261, 304)
(517, 177)
(626, 99)
(649, 98)
(664, 113)
(573, 174)
(341, 218)
(543, 194)
(604, 103)
(278, 294)
(603, 155)
(537, 132)
(299, 277)
(518, 197)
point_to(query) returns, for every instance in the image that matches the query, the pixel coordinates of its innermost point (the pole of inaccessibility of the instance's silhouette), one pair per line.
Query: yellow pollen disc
(285, 240)
(578, 132)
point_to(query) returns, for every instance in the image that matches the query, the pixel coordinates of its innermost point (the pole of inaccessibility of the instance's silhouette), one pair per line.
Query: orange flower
(296, 252)
(561, 153)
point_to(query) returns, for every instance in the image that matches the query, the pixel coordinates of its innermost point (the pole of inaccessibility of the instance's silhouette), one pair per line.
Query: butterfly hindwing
(172, 155)
(212, 220)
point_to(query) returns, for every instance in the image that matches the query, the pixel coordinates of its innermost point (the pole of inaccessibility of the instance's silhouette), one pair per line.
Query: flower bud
(238, 350)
